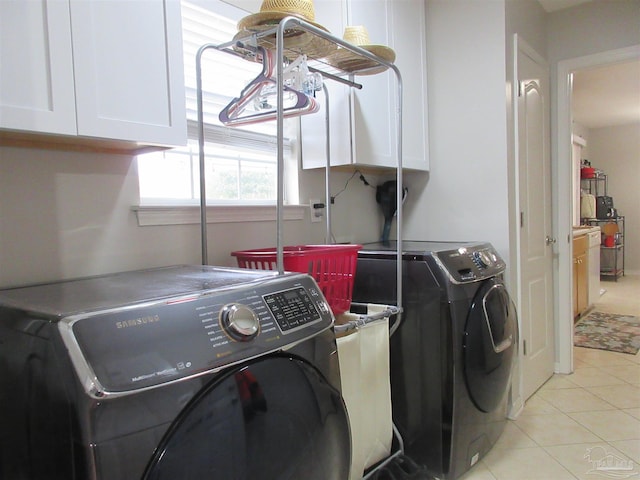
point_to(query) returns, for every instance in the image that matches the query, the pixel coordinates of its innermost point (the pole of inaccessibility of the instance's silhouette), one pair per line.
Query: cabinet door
(332, 14)
(576, 312)
(129, 70)
(36, 69)
(363, 122)
(583, 286)
(401, 25)
(373, 107)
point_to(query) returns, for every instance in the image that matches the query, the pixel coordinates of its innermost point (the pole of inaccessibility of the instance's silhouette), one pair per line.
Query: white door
(536, 242)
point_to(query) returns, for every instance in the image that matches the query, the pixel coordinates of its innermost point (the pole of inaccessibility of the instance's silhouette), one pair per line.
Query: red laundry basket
(332, 266)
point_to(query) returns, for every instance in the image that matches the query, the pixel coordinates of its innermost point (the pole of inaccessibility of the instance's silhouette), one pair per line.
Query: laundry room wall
(465, 196)
(68, 214)
(528, 19)
(469, 192)
(592, 27)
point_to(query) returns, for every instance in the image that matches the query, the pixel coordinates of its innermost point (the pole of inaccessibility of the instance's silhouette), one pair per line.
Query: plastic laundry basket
(332, 266)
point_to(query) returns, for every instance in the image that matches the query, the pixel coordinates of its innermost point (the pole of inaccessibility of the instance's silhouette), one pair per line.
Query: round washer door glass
(489, 344)
(276, 418)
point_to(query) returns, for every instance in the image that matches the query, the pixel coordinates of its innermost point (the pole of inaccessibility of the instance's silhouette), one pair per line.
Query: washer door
(488, 345)
(275, 418)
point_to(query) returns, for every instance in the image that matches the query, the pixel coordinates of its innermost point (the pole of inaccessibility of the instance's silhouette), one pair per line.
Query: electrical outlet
(317, 210)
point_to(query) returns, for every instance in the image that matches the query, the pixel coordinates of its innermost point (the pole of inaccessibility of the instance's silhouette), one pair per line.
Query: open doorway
(603, 98)
(565, 186)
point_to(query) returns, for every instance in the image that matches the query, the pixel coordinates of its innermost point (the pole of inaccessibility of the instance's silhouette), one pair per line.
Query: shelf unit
(612, 230)
(595, 186)
(287, 40)
(276, 37)
(611, 255)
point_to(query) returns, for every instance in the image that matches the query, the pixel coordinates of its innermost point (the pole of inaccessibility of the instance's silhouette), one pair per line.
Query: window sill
(149, 215)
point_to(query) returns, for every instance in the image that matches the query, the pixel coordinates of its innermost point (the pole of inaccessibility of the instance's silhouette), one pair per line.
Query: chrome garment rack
(363, 320)
(328, 72)
(275, 38)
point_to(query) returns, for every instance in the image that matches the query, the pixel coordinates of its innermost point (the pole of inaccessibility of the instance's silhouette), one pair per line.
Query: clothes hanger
(232, 113)
(312, 107)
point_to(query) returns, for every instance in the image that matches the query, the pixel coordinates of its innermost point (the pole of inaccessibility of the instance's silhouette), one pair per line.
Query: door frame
(562, 191)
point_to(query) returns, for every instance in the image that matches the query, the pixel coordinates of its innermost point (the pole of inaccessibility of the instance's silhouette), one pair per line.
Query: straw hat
(296, 40)
(359, 36)
(272, 11)
(351, 62)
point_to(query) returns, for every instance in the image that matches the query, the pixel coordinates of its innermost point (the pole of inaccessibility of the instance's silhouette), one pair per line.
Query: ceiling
(607, 96)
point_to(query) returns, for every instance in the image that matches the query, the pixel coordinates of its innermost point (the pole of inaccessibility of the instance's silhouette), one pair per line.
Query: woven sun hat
(297, 41)
(348, 61)
(359, 36)
(272, 11)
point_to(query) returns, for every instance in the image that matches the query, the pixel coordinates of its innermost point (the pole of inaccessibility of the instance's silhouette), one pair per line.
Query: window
(240, 162)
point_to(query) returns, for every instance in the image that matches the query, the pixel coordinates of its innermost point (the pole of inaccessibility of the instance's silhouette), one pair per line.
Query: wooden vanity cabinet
(580, 275)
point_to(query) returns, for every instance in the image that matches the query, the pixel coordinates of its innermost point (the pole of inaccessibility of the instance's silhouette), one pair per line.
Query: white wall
(528, 19)
(593, 27)
(464, 197)
(616, 150)
(68, 214)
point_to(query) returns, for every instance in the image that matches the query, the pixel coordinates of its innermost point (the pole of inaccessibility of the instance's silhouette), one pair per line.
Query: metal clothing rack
(327, 71)
(360, 321)
(333, 73)
(363, 319)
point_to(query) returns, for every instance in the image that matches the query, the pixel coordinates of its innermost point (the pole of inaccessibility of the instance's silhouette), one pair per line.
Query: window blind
(223, 77)
(240, 161)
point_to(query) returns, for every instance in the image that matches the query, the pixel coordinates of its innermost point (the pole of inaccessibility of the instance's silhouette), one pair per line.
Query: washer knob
(483, 259)
(240, 322)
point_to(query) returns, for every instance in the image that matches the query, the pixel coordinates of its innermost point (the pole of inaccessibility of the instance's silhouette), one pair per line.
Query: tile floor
(580, 426)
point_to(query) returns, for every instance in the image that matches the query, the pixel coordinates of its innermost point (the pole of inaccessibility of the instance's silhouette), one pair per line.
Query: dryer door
(275, 418)
(489, 340)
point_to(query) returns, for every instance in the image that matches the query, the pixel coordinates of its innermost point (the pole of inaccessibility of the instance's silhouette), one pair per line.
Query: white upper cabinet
(371, 112)
(331, 14)
(102, 69)
(129, 70)
(36, 67)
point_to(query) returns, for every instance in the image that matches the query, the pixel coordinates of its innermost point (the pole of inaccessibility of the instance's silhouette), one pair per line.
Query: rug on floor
(608, 331)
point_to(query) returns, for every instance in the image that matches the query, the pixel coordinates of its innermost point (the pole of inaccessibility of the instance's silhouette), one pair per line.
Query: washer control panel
(141, 346)
(292, 308)
(470, 263)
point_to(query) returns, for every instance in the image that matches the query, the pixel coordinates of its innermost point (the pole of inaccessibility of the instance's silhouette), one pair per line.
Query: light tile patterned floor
(574, 424)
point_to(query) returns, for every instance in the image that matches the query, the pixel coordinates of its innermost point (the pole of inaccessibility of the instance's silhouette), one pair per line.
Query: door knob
(550, 240)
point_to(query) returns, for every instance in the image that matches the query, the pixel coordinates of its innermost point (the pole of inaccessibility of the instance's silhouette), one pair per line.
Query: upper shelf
(331, 56)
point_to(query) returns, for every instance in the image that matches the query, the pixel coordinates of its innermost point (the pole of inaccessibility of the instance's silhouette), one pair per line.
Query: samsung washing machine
(452, 353)
(173, 373)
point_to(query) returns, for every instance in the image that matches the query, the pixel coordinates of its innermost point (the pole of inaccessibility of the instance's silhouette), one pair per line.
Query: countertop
(584, 229)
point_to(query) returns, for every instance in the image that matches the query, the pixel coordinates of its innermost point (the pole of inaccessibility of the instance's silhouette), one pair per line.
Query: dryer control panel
(470, 263)
(140, 346)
